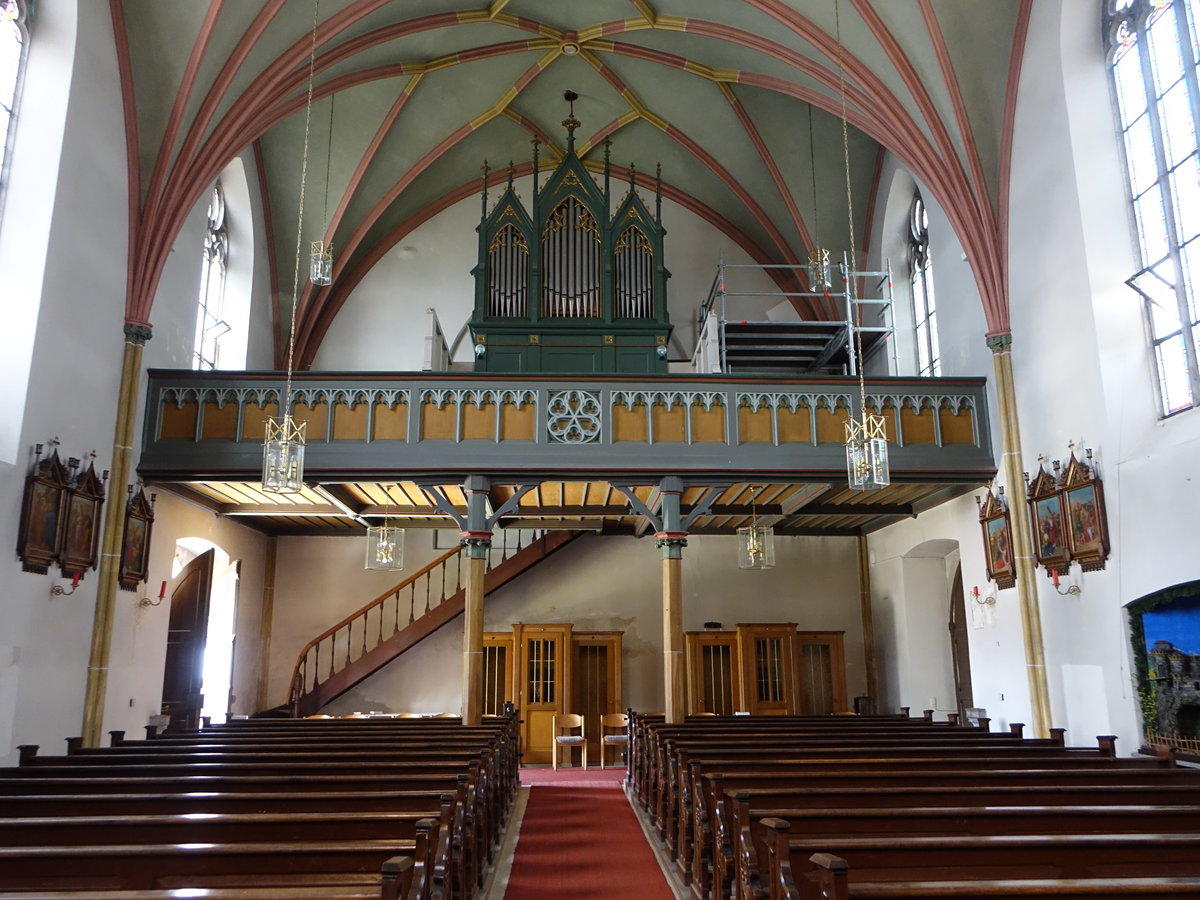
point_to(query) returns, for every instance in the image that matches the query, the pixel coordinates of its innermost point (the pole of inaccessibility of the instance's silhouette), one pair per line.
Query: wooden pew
(303, 783)
(278, 866)
(672, 755)
(482, 813)
(157, 804)
(814, 828)
(673, 800)
(795, 868)
(658, 744)
(832, 883)
(294, 892)
(1108, 781)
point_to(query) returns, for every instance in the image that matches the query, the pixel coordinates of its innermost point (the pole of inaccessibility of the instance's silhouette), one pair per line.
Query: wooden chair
(562, 728)
(618, 737)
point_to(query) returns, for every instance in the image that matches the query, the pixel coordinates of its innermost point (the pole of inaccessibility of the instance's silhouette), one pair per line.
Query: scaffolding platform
(731, 343)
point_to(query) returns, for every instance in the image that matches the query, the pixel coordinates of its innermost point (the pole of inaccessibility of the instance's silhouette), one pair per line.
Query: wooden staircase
(368, 639)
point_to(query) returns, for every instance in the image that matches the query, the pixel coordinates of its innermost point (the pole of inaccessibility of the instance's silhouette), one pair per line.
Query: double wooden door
(766, 669)
(549, 670)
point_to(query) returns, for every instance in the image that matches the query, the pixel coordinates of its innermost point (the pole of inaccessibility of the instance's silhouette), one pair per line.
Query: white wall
(603, 583)
(139, 639)
(66, 267)
(1083, 373)
(29, 204)
(75, 363)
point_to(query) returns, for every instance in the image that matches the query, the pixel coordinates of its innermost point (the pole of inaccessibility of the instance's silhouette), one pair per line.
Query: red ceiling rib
(813, 306)
(1001, 324)
(272, 262)
(950, 77)
(175, 187)
(398, 188)
(133, 189)
(150, 207)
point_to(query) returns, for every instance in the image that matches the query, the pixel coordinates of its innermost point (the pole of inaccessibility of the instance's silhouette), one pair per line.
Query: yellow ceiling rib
(495, 7)
(643, 112)
(508, 96)
(647, 11)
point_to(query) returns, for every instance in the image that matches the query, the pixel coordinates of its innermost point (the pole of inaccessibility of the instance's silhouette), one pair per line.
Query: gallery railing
(210, 425)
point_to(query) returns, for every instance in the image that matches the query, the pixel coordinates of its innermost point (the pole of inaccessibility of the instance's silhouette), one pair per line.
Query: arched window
(1153, 57)
(14, 41)
(929, 361)
(210, 323)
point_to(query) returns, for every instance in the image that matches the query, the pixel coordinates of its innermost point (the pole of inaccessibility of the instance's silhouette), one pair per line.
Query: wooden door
(960, 647)
(183, 672)
(769, 677)
(544, 658)
(596, 681)
(714, 682)
(821, 658)
(498, 687)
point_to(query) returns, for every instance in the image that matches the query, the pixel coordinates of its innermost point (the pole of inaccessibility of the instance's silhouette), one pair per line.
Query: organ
(571, 287)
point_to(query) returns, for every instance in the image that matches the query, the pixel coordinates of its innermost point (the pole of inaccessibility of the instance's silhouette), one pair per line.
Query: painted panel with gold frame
(997, 539)
(40, 534)
(1086, 518)
(79, 548)
(135, 541)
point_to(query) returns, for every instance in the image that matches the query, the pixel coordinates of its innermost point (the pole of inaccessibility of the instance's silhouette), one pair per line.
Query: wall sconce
(480, 350)
(59, 591)
(661, 350)
(1071, 588)
(146, 601)
(988, 599)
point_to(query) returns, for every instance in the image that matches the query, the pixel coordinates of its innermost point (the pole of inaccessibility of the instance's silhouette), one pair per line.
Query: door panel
(960, 647)
(596, 681)
(769, 677)
(497, 673)
(183, 671)
(545, 673)
(714, 685)
(822, 662)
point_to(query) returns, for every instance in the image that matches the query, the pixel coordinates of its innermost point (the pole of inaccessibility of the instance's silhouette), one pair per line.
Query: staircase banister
(362, 611)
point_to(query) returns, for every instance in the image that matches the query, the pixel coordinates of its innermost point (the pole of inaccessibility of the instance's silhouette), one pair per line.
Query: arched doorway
(198, 671)
(960, 649)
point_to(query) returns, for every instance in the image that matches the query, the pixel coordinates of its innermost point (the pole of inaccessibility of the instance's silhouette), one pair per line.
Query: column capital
(475, 544)
(999, 342)
(671, 543)
(137, 332)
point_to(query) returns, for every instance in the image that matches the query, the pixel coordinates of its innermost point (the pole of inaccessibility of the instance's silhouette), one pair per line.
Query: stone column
(1025, 564)
(114, 527)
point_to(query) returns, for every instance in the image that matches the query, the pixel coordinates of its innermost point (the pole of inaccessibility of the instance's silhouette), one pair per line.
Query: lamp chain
(312, 56)
(857, 313)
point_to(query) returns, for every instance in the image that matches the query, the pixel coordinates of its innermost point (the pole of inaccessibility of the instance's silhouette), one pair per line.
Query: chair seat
(569, 739)
(615, 739)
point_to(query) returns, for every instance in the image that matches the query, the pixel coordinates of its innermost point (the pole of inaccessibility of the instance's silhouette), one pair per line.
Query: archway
(201, 633)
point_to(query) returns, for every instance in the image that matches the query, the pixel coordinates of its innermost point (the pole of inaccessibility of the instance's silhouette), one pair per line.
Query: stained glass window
(210, 323)
(920, 262)
(1153, 58)
(14, 39)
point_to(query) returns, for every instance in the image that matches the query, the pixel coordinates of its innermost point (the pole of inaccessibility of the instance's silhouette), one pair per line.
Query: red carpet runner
(580, 839)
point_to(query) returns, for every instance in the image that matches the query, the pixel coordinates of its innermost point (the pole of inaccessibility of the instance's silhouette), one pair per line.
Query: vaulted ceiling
(740, 101)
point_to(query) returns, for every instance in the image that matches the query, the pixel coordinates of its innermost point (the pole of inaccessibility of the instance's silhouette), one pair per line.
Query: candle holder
(59, 591)
(988, 599)
(147, 601)
(1070, 589)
